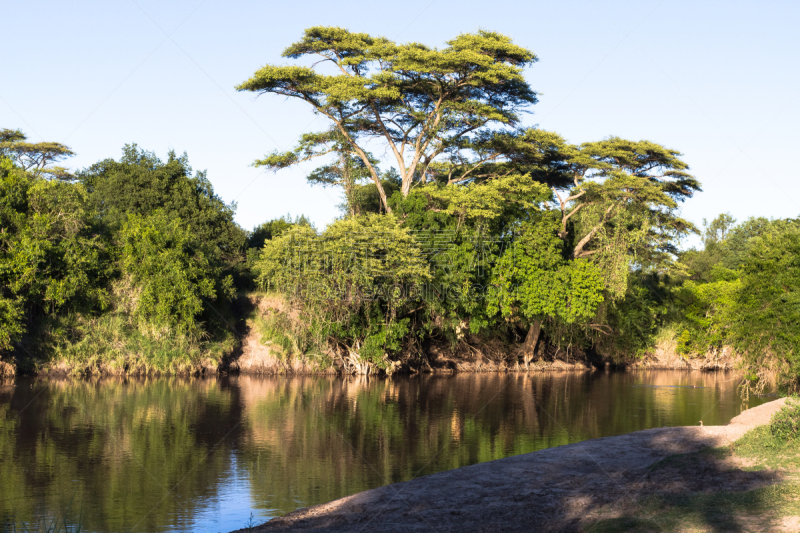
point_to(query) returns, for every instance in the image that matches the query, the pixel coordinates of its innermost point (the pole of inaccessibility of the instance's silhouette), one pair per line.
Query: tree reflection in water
(172, 454)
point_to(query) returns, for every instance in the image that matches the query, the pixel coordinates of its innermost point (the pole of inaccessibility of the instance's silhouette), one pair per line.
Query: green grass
(111, 343)
(717, 511)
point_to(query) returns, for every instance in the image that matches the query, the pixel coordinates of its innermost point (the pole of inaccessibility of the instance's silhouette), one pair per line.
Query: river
(189, 454)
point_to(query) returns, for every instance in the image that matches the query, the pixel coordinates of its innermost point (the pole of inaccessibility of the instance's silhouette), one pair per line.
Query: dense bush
(111, 252)
(767, 312)
(536, 279)
(139, 183)
(785, 424)
(484, 230)
(173, 279)
(353, 282)
(743, 291)
(51, 259)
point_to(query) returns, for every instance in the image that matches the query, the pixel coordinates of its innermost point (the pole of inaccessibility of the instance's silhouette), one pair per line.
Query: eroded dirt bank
(471, 353)
(558, 489)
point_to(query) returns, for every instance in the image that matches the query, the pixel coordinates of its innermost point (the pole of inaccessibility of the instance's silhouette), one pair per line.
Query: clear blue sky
(717, 80)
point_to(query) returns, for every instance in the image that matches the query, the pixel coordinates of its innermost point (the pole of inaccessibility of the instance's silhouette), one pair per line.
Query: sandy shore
(549, 490)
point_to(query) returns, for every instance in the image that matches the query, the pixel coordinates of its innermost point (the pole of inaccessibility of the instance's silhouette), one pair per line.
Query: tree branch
(588, 237)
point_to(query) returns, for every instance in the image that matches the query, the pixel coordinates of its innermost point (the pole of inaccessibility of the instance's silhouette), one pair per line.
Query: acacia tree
(420, 102)
(617, 198)
(344, 169)
(35, 158)
(617, 203)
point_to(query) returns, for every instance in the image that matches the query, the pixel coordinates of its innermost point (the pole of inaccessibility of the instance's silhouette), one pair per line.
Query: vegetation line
(484, 244)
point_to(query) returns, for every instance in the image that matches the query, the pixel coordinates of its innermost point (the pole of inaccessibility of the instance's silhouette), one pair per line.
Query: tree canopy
(142, 246)
(420, 102)
(141, 183)
(462, 228)
(37, 158)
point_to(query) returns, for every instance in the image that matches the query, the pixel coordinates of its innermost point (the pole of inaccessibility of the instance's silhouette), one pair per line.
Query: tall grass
(111, 343)
(289, 332)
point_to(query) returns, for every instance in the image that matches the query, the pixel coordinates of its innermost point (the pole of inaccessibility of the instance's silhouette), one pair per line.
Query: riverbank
(264, 351)
(634, 482)
(250, 344)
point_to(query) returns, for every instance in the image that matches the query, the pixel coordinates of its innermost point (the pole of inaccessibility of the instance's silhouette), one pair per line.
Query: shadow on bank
(653, 480)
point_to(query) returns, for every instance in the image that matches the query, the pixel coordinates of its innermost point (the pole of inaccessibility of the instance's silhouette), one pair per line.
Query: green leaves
(352, 282)
(768, 305)
(339, 44)
(49, 258)
(536, 280)
(34, 157)
(349, 261)
(141, 183)
(744, 293)
(785, 424)
(169, 272)
(64, 246)
(11, 322)
(487, 201)
(418, 101)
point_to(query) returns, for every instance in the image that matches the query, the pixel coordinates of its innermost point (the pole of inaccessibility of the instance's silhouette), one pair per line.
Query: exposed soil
(667, 358)
(255, 357)
(470, 354)
(566, 488)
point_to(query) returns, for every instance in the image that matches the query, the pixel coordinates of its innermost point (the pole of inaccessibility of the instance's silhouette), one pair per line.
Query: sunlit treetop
(36, 158)
(421, 102)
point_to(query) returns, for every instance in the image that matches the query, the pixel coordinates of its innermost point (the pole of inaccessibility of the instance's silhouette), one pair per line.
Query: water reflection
(174, 454)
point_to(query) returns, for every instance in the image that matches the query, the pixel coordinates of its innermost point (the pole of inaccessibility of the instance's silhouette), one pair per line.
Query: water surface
(177, 454)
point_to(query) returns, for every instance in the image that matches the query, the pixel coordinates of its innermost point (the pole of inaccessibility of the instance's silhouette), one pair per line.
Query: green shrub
(346, 284)
(169, 267)
(785, 424)
(766, 323)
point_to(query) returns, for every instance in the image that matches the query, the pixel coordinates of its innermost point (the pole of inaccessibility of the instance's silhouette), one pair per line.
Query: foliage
(785, 424)
(365, 198)
(470, 182)
(767, 323)
(140, 183)
(536, 278)
(420, 102)
(77, 257)
(709, 310)
(741, 291)
(173, 276)
(50, 257)
(352, 282)
(274, 228)
(480, 229)
(641, 319)
(36, 158)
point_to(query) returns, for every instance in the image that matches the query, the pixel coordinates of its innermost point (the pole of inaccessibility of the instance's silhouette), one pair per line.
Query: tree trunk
(405, 185)
(531, 339)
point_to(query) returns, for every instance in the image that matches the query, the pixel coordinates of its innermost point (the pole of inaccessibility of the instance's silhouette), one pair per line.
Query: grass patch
(716, 511)
(112, 343)
(776, 445)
